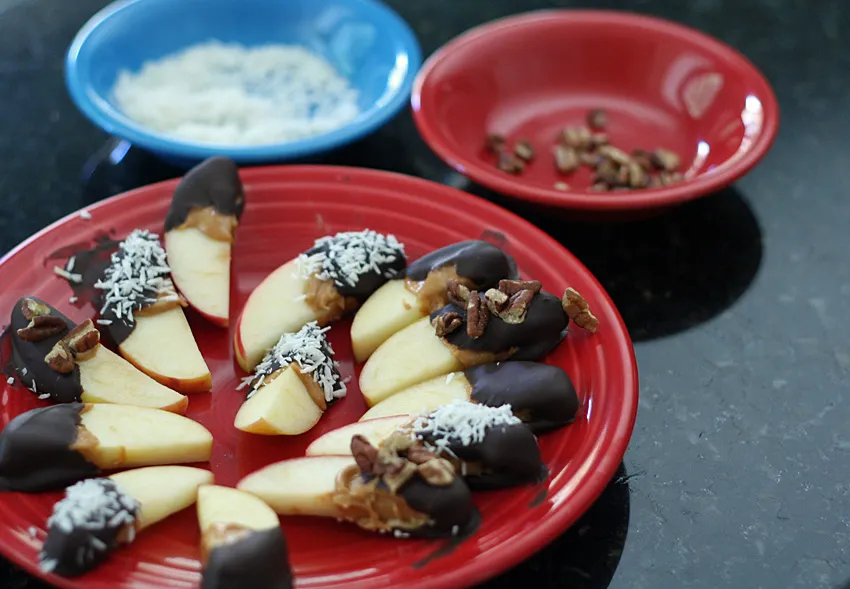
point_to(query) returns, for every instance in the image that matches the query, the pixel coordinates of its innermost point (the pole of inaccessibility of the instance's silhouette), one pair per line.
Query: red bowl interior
(662, 84)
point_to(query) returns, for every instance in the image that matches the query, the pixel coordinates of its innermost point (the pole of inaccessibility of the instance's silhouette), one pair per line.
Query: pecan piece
(458, 293)
(523, 150)
(477, 315)
(614, 154)
(447, 323)
(42, 327)
(437, 472)
(597, 118)
(666, 160)
(32, 308)
(60, 358)
(496, 300)
(578, 310)
(495, 142)
(512, 287)
(510, 163)
(566, 159)
(576, 137)
(365, 454)
(518, 307)
(420, 455)
(83, 337)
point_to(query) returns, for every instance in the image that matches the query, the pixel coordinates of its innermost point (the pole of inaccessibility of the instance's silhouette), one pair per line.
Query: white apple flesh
(300, 486)
(423, 397)
(411, 356)
(390, 309)
(162, 346)
(200, 268)
(128, 436)
(280, 407)
(224, 505)
(106, 377)
(162, 490)
(338, 441)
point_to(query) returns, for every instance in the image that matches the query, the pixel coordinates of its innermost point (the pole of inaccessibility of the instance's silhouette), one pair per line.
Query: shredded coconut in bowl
(228, 94)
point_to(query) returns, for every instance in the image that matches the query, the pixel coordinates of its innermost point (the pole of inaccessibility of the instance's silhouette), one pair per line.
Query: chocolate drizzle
(482, 263)
(258, 561)
(212, 183)
(541, 395)
(35, 450)
(62, 388)
(544, 327)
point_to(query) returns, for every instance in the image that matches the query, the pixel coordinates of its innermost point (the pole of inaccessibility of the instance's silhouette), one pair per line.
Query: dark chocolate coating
(120, 329)
(370, 281)
(543, 396)
(545, 327)
(508, 454)
(63, 388)
(66, 547)
(260, 560)
(212, 183)
(449, 507)
(481, 262)
(35, 450)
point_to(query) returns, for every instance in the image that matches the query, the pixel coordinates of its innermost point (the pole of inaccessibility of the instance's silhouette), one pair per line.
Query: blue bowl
(364, 40)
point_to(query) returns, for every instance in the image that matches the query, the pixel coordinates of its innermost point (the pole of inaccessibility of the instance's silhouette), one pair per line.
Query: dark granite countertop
(737, 472)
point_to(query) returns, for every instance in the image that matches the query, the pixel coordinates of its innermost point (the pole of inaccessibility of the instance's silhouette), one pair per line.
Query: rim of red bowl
(720, 177)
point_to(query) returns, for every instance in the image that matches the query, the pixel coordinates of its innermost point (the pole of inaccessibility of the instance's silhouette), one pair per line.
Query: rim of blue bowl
(116, 123)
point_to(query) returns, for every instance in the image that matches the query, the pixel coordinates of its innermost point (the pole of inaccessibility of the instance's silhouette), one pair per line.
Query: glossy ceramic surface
(365, 41)
(662, 84)
(287, 208)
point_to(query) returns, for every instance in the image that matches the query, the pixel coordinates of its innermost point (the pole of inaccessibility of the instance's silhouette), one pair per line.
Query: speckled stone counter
(737, 474)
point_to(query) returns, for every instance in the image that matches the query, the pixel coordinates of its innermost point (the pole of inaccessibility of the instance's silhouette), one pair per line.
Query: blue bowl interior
(366, 42)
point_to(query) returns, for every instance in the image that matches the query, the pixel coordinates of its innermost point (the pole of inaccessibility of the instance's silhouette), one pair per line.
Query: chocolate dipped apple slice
(98, 516)
(199, 231)
(242, 544)
(63, 362)
(293, 385)
(476, 264)
(541, 395)
(142, 314)
(517, 321)
(50, 447)
(330, 279)
(379, 489)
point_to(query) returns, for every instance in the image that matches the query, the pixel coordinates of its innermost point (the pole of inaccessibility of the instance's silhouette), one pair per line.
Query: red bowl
(662, 85)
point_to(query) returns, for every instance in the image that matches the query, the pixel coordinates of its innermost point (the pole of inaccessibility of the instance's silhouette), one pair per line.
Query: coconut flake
(138, 276)
(69, 276)
(69, 265)
(44, 396)
(461, 422)
(10, 380)
(85, 215)
(310, 349)
(73, 300)
(104, 322)
(345, 257)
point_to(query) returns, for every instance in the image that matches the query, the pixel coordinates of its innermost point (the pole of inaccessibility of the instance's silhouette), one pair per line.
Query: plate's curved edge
(505, 556)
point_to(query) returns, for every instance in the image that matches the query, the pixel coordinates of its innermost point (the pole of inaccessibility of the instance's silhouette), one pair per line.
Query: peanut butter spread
(324, 298)
(372, 507)
(432, 291)
(212, 223)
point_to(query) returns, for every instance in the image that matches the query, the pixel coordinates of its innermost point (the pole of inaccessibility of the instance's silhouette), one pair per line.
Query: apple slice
(162, 346)
(108, 378)
(338, 442)
(241, 541)
(389, 310)
(98, 516)
(423, 397)
(162, 490)
(332, 278)
(411, 356)
(199, 233)
(301, 486)
(293, 385)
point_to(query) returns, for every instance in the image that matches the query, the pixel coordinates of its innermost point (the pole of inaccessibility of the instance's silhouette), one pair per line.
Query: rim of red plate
(504, 555)
(720, 177)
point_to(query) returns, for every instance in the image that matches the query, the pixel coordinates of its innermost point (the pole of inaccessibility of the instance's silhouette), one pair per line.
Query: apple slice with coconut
(142, 314)
(64, 362)
(516, 322)
(50, 447)
(98, 516)
(332, 278)
(241, 541)
(199, 231)
(293, 385)
(476, 264)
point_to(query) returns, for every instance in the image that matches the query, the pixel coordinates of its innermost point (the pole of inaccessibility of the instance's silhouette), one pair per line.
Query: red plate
(662, 84)
(288, 208)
